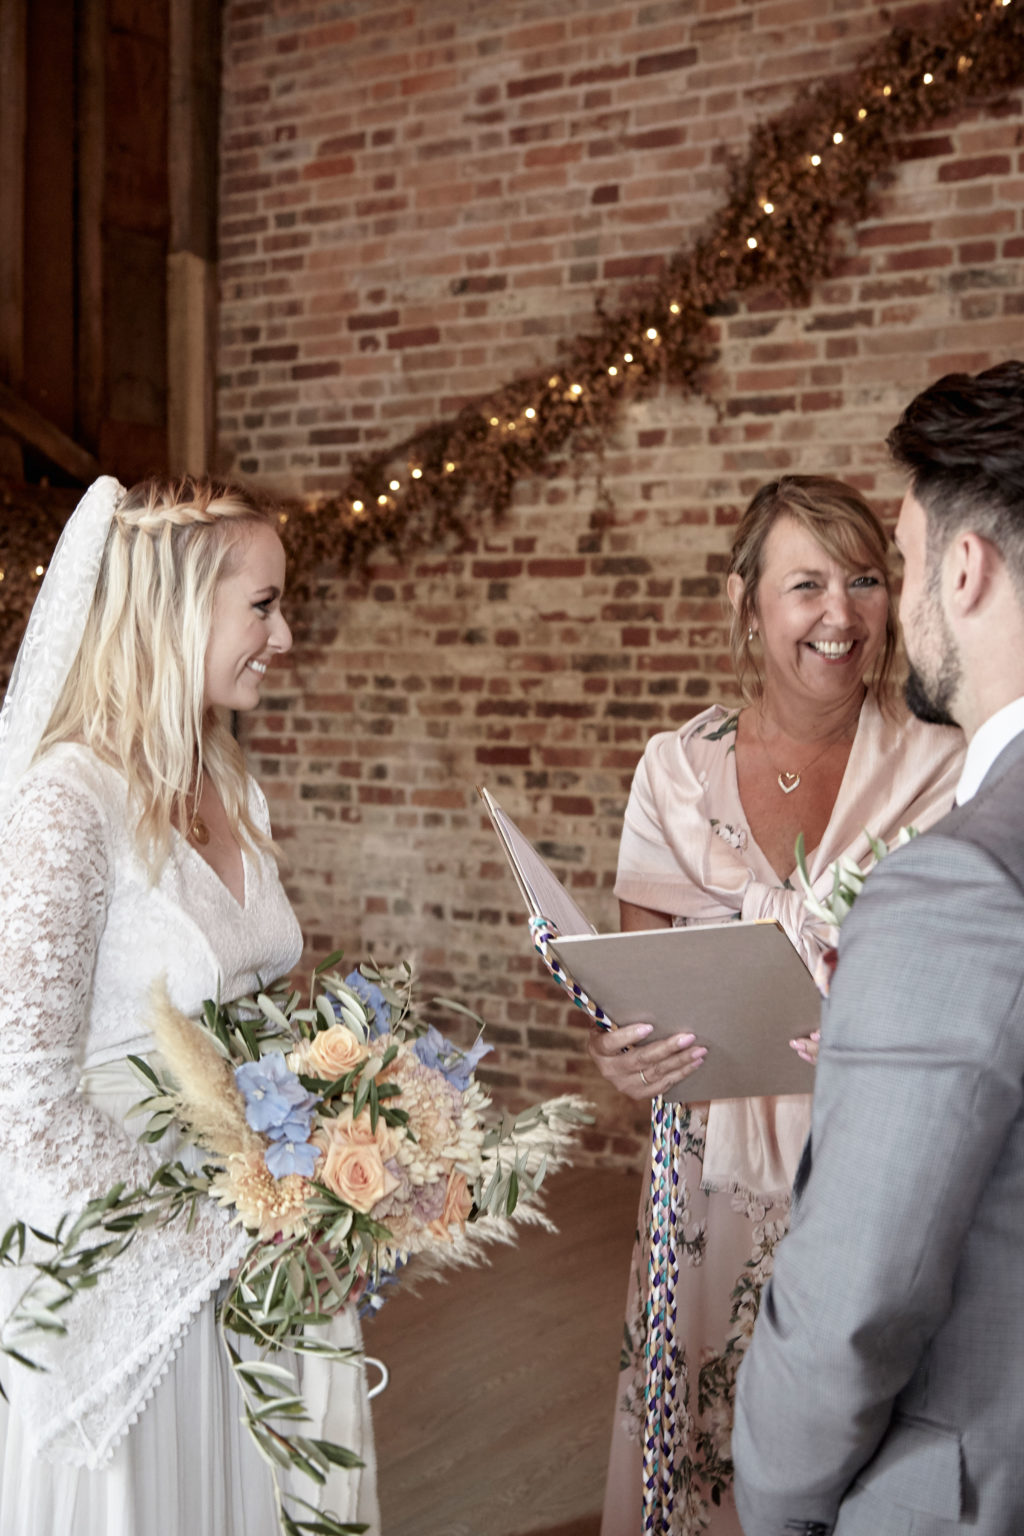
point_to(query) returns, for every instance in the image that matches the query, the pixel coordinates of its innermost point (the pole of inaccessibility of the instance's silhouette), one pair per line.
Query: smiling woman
(821, 748)
(135, 847)
(248, 628)
(809, 584)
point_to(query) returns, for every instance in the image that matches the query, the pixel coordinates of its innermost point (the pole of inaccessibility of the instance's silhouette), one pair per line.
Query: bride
(133, 844)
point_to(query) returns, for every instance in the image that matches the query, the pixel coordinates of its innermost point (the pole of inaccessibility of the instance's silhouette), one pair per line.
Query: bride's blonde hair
(135, 691)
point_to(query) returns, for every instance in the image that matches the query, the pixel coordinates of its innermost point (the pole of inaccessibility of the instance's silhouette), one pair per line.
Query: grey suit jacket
(883, 1391)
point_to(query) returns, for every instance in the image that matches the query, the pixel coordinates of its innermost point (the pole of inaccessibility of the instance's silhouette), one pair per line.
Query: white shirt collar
(985, 746)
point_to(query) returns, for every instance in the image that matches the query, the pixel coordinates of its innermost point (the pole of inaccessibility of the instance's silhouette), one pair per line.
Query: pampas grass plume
(208, 1098)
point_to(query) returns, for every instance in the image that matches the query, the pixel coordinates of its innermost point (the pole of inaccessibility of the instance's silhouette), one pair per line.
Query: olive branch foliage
(847, 878)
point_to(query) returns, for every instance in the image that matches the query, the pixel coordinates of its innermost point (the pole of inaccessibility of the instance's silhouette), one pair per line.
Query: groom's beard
(930, 699)
(930, 704)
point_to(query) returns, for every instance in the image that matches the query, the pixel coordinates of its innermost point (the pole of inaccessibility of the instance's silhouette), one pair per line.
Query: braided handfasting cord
(543, 932)
(661, 1418)
(661, 1422)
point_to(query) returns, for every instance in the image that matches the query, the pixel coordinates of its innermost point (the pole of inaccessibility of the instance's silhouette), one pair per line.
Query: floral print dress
(686, 850)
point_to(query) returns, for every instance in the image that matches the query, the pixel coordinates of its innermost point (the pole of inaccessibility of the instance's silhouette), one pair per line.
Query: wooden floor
(497, 1417)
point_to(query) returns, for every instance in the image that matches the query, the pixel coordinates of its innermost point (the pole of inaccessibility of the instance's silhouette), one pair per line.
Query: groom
(883, 1392)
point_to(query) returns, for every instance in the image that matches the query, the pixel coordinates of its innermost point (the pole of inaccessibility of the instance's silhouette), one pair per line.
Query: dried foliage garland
(812, 169)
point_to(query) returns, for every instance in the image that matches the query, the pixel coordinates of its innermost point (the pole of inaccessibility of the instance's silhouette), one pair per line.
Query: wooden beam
(192, 258)
(191, 360)
(90, 381)
(193, 124)
(32, 428)
(12, 187)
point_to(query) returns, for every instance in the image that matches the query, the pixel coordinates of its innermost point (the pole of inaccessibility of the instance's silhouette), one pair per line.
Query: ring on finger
(643, 1079)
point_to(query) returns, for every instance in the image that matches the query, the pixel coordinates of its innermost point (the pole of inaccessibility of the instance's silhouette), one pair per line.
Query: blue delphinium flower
(375, 1294)
(277, 1104)
(286, 1156)
(372, 996)
(297, 1126)
(273, 1095)
(455, 1064)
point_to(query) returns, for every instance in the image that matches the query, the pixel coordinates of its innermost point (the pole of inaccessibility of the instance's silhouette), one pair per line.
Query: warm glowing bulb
(396, 485)
(613, 371)
(529, 413)
(417, 474)
(815, 159)
(2, 575)
(928, 77)
(862, 113)
(627, 357)
(652, 334)
(449, 467)
(576, 389)
(282, 517)
(768, 207)
(40, 569)
(552, 382)
(886, 90)
(357, 506)
(674, 309)
(510, 426)
(382, 501)
(494, 421)
(751, 243)
(837, 138)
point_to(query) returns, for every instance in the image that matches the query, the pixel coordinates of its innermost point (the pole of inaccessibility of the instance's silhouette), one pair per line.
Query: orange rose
(457, 1206)
(353, 1168)
(333, 1052)
(386, 1137)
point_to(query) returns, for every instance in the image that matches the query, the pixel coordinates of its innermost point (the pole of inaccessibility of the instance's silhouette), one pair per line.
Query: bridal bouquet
(347, 1137)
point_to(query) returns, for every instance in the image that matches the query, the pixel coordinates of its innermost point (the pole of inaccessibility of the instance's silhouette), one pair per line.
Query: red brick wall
(418, 200)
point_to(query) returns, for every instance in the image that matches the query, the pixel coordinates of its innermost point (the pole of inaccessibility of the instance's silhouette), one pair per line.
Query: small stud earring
(750, 634)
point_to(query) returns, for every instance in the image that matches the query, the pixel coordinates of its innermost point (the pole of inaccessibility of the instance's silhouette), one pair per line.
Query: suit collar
(1012, 753)
(989, 744)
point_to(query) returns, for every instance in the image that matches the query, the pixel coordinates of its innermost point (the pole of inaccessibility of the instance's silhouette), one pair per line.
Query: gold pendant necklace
(198, 831)
(789, 779)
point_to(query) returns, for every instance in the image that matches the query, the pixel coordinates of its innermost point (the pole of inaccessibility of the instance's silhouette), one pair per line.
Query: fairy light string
(808, 172)
(811, 170)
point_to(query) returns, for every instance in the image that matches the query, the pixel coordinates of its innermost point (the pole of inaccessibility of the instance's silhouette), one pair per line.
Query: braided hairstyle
(135, 691)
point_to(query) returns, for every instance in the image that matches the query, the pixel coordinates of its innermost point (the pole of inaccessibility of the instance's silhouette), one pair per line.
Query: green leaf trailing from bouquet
(348, 1138)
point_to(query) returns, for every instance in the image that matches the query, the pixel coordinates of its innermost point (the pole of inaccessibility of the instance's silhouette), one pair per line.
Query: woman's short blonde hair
(135, 691)
(841, 521)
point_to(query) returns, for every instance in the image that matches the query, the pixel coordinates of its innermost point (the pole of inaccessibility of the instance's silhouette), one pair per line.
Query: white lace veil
(54, 633)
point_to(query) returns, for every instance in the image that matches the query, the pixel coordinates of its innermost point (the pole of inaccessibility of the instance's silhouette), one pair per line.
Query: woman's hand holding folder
(642, 1068)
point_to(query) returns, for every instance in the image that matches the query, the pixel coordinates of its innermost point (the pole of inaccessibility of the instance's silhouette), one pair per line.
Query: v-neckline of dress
(240, 905)
(788, 882)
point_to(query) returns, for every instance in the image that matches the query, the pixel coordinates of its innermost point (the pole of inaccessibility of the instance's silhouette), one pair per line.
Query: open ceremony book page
(739, 986)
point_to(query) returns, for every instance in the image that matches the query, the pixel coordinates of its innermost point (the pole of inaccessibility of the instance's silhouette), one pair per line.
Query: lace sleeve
(57, 1150)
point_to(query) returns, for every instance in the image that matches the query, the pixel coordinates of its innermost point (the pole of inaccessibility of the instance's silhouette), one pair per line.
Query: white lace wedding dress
(133, 1429)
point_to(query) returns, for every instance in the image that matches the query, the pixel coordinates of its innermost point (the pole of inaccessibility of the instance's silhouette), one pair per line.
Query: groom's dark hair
(961, 442)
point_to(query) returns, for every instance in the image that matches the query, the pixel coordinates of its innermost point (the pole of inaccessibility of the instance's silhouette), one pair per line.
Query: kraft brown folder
(740, 987)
